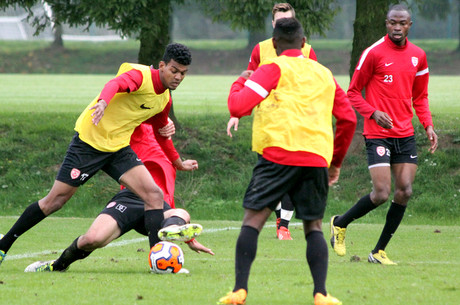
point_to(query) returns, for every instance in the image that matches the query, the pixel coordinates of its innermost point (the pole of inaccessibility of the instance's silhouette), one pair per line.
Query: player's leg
(317, 259)
(286, 212)
(378, 156)
(246, 249)
(59, 194)
(139, 180)
(259, 202)
(404, 175)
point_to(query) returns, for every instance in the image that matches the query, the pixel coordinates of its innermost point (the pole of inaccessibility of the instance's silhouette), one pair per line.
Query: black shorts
(82, 161)
(306, 186)
(384, 152)
(128, 211)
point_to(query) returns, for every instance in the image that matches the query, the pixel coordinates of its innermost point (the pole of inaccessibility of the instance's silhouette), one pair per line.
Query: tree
(369, 26)
(315, 16)
(146, 20)
(439, 9)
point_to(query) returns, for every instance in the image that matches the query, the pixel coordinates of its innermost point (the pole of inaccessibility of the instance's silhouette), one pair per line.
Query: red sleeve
(420, 95)
(254, 60)
(312, 55)
(361, 77)
(158, 121)
(245, 95)
(127, 82)
(345, 125)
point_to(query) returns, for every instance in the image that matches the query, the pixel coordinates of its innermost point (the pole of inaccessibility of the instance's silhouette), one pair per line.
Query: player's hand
(433, 137)
(233, 122)
(198, 248)
(98, 111)
(334, 173)
(189, 165)
(382, 119)
(246, 74)
(168, 130)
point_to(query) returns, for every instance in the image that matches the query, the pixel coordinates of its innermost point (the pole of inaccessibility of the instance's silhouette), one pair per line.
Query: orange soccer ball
(166, 257)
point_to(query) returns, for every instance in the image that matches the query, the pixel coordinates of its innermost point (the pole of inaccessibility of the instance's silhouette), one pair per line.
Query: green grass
(427, 271)
(38, 114)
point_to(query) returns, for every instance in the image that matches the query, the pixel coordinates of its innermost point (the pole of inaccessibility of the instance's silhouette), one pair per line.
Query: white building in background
(14, 26)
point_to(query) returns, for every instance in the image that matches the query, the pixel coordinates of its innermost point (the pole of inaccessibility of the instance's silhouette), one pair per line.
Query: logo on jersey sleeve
(415, 61)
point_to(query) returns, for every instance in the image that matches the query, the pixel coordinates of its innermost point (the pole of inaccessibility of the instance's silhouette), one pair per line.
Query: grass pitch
(427, 271)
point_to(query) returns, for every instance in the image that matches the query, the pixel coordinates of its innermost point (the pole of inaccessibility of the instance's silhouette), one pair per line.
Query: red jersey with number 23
(396, 79)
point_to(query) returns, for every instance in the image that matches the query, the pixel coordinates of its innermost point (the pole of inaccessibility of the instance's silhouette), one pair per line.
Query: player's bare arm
(98, 111)
(233, 122)
(187, 165)
(198, 248)
(334, 173)
(383, 119)
(168, 130)
(433, 137)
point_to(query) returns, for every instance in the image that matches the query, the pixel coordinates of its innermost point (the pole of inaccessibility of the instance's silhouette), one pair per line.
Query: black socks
(29, 218)
(317, 258)
(153, 220)
(361, 208)
(394, 217)
(70, 255)
(246, 249)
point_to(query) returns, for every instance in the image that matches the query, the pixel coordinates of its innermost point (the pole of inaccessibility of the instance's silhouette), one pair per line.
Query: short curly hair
(179, 53)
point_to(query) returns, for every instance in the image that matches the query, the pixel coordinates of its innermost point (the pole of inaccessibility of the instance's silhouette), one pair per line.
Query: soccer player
(293, 99)
(394, 74)
(262, 51)
(139, 93)
(125, 211)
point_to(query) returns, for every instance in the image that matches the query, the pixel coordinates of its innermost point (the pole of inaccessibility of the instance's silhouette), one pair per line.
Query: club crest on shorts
(380, 151)
(415, 61)
(75, 173)
(111, 204)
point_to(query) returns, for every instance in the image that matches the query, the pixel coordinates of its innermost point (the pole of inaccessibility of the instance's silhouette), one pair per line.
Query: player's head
(174, 65)
(282, 10)
(398, 23)
(288, 34)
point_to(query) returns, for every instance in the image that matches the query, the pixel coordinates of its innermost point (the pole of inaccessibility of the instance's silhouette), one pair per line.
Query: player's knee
(51, 204)
(90, 242)
(182, 214)
(380, 196)
(403, 195)
(154, 198)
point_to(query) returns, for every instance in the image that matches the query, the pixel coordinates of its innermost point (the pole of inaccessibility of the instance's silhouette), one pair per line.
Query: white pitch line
(112, 244)
(143, 239)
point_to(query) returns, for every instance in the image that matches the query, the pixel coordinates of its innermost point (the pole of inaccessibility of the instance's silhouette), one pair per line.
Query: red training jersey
(395, 79)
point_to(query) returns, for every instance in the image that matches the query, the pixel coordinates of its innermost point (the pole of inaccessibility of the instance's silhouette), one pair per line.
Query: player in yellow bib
(262, 52)
(139, 93)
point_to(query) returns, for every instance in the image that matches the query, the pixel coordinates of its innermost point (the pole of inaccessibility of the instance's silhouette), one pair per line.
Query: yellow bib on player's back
(124, 113)
(267, 51)
(297, 114)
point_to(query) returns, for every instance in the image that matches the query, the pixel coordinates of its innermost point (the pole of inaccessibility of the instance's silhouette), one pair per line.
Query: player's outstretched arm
(187, 165)
(198, 248)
